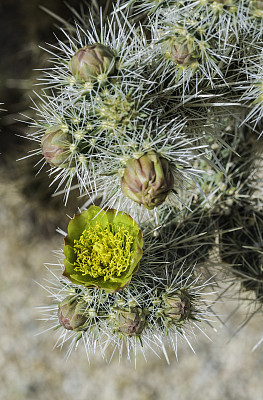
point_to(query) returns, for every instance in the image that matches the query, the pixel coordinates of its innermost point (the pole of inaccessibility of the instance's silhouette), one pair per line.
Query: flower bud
(147, 180)
(176, 307)
(91, 61)
(55, 147)
(71, 313)
(132, 322)
(182, 54)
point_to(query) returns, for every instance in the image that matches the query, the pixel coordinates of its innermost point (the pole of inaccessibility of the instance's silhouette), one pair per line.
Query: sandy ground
(30, 370)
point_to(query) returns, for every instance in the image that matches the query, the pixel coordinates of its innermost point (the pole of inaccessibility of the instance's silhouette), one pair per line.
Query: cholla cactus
(165, 301)
(151, 115)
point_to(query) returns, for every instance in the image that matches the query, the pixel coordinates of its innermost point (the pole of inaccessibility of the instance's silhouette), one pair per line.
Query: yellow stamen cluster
(104, 251)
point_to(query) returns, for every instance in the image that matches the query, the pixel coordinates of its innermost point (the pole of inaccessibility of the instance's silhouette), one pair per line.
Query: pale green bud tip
(176, 307)
(147, 180)
(91, 61)
(55, 147)
(71, 313)
(131, 322)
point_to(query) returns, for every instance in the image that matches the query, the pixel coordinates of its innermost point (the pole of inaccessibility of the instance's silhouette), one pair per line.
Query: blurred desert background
(30, 369)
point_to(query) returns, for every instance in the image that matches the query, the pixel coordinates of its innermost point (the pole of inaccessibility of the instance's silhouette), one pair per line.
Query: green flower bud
(181, 53)
(176, 307)
(71, 313)
(103, 248)
(131, 322)
(55, 147)
(147, 180)
(91, 61)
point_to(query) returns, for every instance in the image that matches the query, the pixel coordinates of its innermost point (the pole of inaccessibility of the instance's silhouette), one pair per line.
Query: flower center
(103, 251)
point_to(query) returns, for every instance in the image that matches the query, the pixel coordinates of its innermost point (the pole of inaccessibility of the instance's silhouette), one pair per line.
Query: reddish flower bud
(132, 322)
(71, 313)
(91, 61)
(55, 147)
(182, 54)
(176, 307)
(147, 180)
